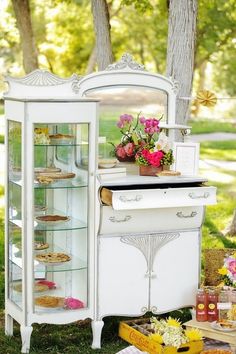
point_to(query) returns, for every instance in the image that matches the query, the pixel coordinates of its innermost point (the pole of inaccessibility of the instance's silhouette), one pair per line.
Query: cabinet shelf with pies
(52, 220)
(41, 267)
(56, 184)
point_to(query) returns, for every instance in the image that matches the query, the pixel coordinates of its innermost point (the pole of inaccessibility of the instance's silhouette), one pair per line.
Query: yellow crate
(144, 343)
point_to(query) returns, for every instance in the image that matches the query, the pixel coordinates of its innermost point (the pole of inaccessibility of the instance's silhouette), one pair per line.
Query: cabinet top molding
(126, 62)
(41, 83)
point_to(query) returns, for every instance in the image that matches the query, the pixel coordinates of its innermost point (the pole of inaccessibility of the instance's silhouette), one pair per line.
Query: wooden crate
(136, 332)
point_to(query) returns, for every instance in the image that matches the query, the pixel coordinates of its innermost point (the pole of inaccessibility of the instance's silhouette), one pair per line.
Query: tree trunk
(91, 62)
(102, 31)
(23, 20)
(181, 50)
(231, 230)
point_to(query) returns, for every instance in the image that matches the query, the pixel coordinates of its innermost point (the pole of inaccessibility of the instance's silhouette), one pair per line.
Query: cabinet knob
(125, 199)
(195, 196)
(126, 218)
(181, 215)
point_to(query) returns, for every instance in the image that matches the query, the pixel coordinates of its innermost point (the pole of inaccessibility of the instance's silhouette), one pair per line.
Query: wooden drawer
(149, 220)
(158, 198)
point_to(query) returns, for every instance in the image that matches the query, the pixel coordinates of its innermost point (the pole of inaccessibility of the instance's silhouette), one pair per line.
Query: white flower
(162, 143)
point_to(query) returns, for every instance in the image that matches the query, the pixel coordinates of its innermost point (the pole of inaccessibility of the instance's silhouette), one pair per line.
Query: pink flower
(232, 267)
(120, 151)
(73, 304)
(142, 120)
(129, 149)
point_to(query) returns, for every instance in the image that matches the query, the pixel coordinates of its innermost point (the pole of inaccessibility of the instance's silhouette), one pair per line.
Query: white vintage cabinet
(138, 253)
(149, 237)
(50, 245)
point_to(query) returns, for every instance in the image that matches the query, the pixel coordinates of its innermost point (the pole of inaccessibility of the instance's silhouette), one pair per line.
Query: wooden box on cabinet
(50, 210)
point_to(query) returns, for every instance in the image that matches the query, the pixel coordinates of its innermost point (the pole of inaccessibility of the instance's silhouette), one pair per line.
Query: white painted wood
(122, 281)
(25, 332)
(126, 221)
(176, 273)
(162, 198)
(97, 327)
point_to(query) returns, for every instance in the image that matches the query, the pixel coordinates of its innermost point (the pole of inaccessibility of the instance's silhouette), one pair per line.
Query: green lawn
(219, 150)
(205, 126)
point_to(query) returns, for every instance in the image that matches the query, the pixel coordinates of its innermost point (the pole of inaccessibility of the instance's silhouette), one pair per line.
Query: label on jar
(212, 306)
(224, 305)
(200, 306)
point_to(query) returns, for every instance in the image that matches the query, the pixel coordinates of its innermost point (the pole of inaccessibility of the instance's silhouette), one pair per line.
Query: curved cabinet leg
(25, 332)
(97, 332)
(8, 325)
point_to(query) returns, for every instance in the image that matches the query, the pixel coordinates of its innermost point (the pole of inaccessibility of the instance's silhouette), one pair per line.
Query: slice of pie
(38, 246)
(51, 257)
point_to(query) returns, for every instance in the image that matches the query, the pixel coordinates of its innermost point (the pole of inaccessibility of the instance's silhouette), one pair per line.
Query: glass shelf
(71, 224)
(74, 264)
(63, 184)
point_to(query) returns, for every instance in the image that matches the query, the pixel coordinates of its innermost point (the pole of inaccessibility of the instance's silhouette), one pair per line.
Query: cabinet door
(122, 279)
(61, 190)
(175, 274)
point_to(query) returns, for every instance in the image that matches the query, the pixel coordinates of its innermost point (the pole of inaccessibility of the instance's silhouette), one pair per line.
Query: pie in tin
(49, 301)
(51, 219)
(52, 258)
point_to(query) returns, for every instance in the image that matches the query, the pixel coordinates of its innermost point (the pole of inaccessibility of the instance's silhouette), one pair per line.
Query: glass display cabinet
(50, 206)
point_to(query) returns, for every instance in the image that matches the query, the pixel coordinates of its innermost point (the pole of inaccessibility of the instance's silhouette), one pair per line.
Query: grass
(218, 150)
(205, 126)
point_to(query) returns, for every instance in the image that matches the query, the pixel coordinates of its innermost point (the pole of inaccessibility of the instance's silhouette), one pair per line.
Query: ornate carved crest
(43, 78)
(126, 62)
(149, 245)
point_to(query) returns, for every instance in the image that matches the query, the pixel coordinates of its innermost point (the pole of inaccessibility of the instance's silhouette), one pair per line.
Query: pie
(49, 301)
(61, 136)
(51, 218)
(44, 179)
(54, 175)
(51, 257)
(40, 245)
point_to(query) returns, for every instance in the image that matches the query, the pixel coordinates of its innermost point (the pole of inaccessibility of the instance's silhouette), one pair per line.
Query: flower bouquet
(228, 271)
(130, 141)
(143, 142)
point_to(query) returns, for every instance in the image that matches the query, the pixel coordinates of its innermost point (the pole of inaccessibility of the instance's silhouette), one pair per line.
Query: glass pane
(117, 100)
(61, 218)
(14, 211)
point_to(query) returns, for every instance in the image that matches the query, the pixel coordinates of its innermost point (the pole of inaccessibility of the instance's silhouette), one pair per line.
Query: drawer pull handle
(181, 215)
(194, 196)
(126, 218)
(124, 199)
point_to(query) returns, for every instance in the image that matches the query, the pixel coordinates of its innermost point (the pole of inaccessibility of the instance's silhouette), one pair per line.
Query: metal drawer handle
(194, 196)
(124, 199)
(181, 215)
(126, 218)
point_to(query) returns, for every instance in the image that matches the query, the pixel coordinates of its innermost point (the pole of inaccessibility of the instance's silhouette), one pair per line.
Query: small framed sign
(186, 157)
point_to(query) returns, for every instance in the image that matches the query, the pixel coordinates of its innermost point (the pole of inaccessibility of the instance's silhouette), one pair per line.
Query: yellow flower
(156, 337)
(223, 271)
(193, 334)
(173, 322)
(234, 255)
